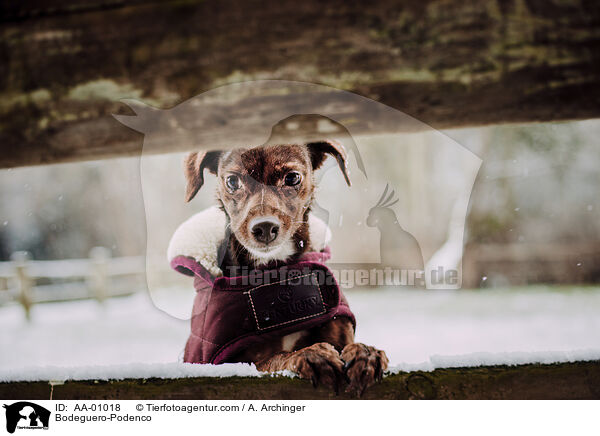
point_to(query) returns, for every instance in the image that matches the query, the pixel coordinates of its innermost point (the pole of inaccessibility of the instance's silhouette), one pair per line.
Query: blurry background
(536, 193)
(513, 82)
(532, 222)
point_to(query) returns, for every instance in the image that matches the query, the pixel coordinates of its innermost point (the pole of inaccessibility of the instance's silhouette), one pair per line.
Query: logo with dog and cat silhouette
(25, 415)
(402, 221)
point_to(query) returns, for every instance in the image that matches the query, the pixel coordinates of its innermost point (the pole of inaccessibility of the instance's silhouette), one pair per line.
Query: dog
(266, 193)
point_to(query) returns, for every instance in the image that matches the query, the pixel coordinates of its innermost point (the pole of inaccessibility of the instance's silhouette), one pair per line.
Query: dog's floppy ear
(193, 167)
(319, 151)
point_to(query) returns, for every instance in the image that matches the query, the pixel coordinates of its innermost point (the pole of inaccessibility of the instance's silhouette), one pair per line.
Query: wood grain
(577, 380)
(64, 65)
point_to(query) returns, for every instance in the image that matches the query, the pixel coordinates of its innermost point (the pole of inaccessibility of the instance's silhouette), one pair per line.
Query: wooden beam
(64, 65)
(578, 380)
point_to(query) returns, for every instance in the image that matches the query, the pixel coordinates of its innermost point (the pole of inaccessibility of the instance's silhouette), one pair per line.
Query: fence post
(99, 272)
(20, 260)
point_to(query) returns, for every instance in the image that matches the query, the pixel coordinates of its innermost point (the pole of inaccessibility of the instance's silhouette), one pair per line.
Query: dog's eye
(232, 183)
(292, 178)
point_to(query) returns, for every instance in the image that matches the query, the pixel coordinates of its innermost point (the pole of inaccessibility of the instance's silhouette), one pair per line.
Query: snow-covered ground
(129, 337)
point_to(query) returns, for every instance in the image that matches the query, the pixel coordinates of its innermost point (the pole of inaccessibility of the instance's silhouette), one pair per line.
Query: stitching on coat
(293, 320)
(204, 339)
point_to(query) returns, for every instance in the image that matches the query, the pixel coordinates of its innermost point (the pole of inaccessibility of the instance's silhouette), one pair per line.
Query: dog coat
(232, 313)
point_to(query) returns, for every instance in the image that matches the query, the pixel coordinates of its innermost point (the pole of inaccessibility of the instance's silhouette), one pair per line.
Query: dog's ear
(319, 151)
(194, 166)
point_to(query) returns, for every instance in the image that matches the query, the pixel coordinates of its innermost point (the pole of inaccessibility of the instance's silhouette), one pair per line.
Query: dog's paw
(364, 365)
(320, 363)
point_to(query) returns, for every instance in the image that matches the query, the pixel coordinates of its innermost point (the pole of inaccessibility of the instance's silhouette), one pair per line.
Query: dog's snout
(265, 232)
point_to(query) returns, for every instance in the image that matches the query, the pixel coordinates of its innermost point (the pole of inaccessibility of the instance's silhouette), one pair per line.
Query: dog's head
(266, 191)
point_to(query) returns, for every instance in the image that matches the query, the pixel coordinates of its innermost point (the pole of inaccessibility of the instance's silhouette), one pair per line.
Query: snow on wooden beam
(449, 63)
(577, 380)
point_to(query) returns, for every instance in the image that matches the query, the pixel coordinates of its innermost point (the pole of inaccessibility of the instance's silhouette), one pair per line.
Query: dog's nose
(265, 232)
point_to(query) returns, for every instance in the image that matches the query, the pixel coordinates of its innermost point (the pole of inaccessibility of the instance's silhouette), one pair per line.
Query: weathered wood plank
(449, 63)
(579, 380)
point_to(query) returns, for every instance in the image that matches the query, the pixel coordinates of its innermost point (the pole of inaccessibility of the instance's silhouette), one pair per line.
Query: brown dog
(266, 194)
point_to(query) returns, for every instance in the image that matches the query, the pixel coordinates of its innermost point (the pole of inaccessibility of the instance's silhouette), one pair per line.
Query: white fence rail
(28, 282)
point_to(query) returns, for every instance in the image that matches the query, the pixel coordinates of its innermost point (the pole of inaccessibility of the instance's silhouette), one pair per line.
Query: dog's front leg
(319, 363)
(364, 366)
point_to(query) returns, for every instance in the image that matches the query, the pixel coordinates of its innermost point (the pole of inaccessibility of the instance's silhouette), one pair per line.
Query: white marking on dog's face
(281, 252)
(262, 219)
(266, 185)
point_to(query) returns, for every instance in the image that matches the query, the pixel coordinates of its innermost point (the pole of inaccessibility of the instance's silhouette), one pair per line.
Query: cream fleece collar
(201, 235)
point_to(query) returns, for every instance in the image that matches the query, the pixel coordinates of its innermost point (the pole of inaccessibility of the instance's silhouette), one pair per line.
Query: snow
(419, 330)
(491, 359)
(130, 370)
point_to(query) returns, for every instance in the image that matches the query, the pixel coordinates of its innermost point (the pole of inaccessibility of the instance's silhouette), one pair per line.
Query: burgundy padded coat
(232, 313)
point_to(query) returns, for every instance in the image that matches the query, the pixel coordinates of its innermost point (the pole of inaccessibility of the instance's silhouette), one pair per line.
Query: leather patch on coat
(286, 301)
